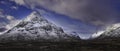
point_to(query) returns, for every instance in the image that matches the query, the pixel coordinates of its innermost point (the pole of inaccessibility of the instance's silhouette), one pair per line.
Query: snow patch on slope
(97, 34)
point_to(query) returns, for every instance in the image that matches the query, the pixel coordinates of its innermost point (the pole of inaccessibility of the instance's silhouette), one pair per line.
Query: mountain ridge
(110, 35)
(36, 28)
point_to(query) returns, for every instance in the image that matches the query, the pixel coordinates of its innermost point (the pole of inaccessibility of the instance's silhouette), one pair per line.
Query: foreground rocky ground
(60, 46)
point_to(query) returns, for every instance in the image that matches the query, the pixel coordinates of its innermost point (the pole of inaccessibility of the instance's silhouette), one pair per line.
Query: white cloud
(14, 7)
(20, 2)
(9, 17)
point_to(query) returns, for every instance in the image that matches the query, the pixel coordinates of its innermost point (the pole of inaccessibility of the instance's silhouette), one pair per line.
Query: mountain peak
(33, 15)
(36, 28)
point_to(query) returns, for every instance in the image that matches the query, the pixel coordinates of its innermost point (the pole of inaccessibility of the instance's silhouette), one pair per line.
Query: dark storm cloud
(97, 12)
(2, 29)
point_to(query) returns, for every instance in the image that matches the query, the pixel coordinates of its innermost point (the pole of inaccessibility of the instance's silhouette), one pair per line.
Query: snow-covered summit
(36, 28)
(113, 27)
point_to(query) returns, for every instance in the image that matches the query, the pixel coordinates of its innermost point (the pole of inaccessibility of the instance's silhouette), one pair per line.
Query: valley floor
(59, 46)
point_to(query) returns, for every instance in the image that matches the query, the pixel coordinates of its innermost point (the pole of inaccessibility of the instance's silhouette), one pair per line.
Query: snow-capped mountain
(112, 31)
(36, 28)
